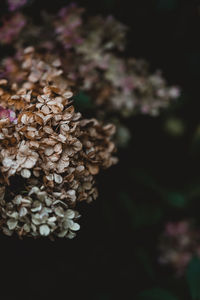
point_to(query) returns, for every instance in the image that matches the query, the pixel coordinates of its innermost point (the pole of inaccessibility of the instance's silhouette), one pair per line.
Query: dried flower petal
(44, 230)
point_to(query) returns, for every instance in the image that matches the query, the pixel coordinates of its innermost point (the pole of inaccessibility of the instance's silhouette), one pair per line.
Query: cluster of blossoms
(179, 243)
(49, 155)
(91, 51)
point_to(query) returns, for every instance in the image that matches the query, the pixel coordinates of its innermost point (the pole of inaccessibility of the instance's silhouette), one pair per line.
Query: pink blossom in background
(175, 229)
(15, 4)
(11, 28)
(179, 243)
(68, 24)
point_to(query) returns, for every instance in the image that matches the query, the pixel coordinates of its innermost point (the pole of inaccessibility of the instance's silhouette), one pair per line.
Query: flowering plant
(50, 149)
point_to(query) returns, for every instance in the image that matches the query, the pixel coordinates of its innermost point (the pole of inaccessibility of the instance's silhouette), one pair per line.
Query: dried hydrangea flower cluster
(50, 150)
(89, 48)
(36, 213)
(179, 243)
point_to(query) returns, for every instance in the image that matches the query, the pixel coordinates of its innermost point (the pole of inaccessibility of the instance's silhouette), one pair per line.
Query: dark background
(115, 255)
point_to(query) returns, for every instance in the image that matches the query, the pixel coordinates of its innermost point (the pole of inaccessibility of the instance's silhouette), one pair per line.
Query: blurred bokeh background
(156, 182)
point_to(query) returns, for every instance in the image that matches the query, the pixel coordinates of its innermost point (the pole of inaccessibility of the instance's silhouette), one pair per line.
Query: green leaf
(146, 261)
(156, 294)
(176, 199)
(146, 215)
(167, 5)
(193, 278)
(193, 190)
(148, 180)
(103, 296)
(109, 3)
(82, 101)
(140, 214)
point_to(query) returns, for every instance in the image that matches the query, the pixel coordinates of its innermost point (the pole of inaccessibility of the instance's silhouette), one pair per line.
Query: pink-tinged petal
(7, 114)
(15, 4)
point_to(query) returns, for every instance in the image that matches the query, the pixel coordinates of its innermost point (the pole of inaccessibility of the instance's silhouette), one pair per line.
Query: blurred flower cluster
(92, 51)
(11, 28)
(179, 244)
(116, 83)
